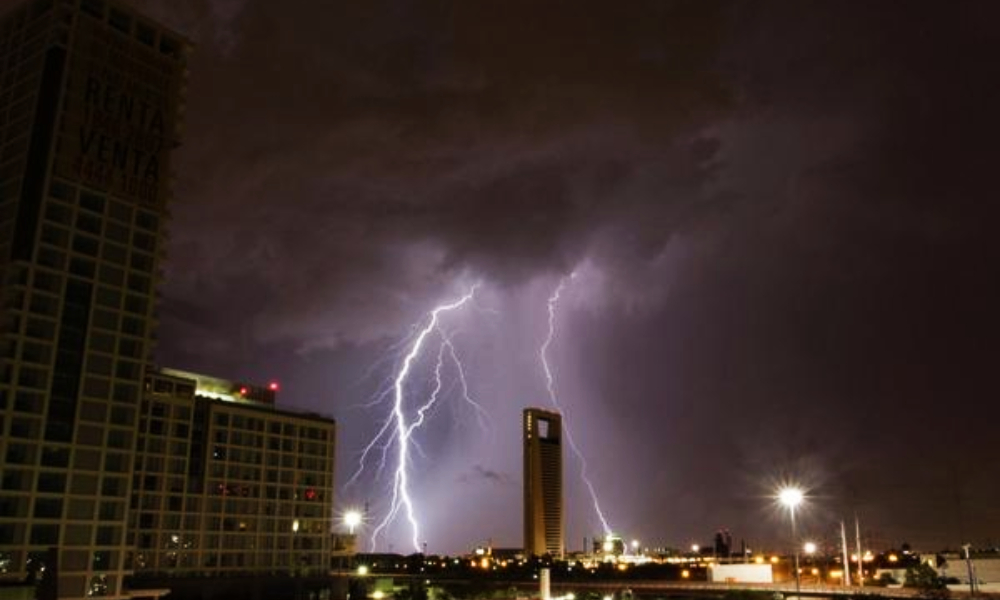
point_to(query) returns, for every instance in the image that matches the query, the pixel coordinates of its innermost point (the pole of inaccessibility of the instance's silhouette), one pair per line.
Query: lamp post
(791, 498)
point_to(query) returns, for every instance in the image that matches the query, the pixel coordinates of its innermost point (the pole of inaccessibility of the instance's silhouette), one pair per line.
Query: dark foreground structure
(88, 124)
(117, 476)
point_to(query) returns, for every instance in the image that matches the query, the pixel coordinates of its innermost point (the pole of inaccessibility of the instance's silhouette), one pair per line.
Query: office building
(227, 485)
(90, 94)
(543, 501)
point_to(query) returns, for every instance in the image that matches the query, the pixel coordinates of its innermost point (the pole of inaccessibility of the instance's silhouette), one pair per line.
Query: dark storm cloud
(783, 214)
(496, 139)
(839, 325)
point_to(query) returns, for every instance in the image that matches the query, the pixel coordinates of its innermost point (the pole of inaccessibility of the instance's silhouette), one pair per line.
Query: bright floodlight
(352, 519)
(790, 497)
(810, 547)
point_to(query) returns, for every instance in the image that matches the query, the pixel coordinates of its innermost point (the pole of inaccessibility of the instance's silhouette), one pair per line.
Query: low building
(985, 569)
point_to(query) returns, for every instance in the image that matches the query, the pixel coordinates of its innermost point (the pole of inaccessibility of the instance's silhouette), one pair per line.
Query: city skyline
(779, 216)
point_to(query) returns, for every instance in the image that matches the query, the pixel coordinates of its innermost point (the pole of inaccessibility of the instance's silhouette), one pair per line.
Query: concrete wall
(741, 573)
(987, 570)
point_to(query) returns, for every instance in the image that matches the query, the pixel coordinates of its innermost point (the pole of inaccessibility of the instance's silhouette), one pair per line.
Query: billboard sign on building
(118, 123)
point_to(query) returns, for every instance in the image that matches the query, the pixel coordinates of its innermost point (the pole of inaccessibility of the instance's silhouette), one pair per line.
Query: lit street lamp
(352, 519)
(791, 498)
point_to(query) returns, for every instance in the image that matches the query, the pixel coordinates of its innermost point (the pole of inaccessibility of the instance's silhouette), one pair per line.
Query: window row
(44, 328)
(29, 427)
(54, 482)
(239, 421)
(71, 535)
(237, 440)
(86, 268)
(99, 205)
(75, 509)
(114, 250)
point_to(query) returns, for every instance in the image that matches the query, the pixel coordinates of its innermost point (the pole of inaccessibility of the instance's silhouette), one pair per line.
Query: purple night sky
(782, 217)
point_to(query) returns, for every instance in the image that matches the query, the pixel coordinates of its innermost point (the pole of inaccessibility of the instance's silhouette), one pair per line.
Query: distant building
(225, 485)
(985, 569)
(609, 547)
(90, 98)
(543, 500)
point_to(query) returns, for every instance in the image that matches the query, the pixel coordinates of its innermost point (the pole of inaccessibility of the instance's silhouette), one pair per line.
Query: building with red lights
(227, 485)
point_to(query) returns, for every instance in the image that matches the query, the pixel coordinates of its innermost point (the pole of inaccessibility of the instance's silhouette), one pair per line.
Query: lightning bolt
(482, 416)
(553, 303)
(398, 430)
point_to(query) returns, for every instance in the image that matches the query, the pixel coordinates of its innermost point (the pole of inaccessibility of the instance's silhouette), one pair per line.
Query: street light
(352, 519)
(791, 497)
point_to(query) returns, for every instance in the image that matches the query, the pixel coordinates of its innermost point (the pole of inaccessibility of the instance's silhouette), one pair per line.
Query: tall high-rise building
(90, 94)
(543, 500)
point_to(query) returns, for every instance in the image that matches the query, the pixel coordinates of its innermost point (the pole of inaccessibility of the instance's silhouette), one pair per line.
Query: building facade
(90, 94)
(543, 496)
(225, 484)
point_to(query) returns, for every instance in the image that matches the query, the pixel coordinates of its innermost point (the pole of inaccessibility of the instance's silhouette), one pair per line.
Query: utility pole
(857, 539)
(972, 572)
(795, 540)
(847, 558)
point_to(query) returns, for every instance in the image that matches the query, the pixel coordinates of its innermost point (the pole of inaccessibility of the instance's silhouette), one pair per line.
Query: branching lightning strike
(396, 432)
(553, 303)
